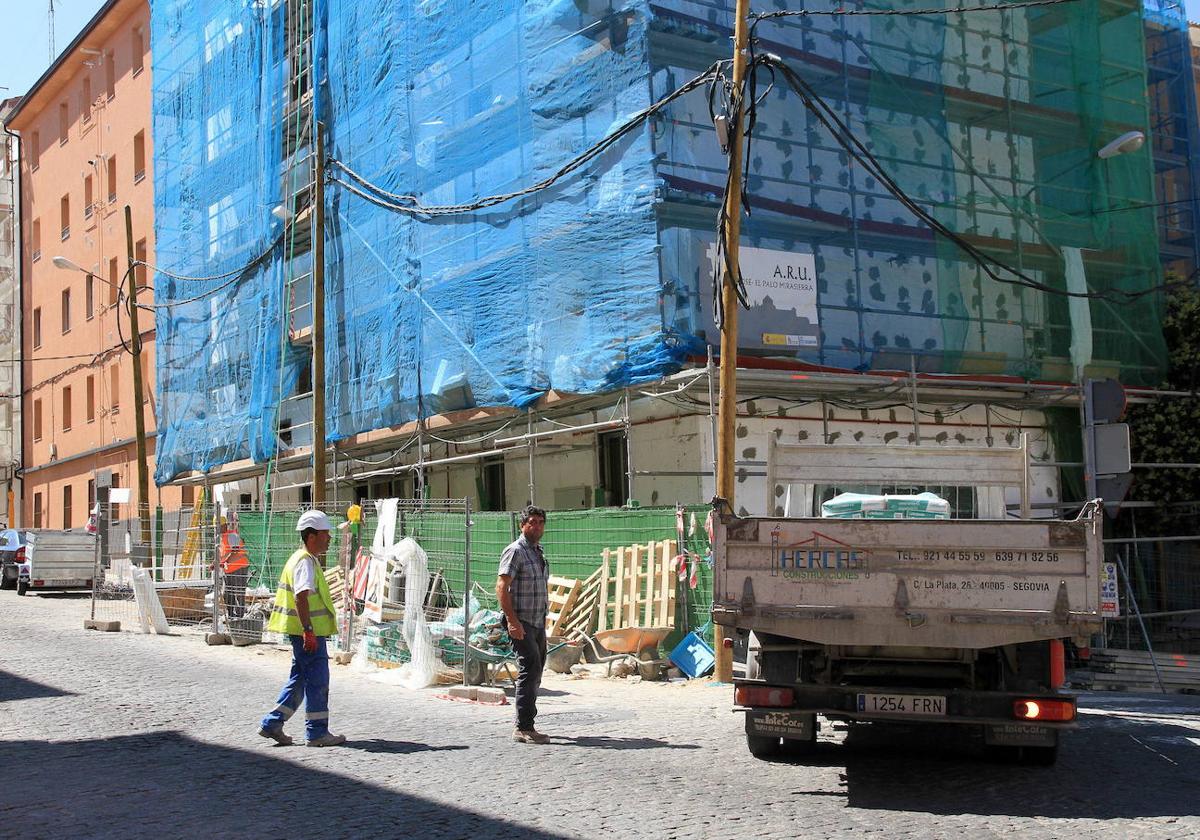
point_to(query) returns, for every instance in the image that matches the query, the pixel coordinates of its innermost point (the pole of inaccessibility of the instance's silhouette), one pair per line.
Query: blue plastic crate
(693, 656)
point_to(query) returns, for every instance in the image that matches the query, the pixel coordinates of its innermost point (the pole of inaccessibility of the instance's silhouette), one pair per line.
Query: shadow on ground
(166, 784)
(602, 742)
(13, 687)
(380, 745)
(1137, 764)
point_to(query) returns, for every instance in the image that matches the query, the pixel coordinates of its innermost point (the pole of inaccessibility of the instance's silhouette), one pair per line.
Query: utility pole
(139, 417)
(727, 399)
(318, 329)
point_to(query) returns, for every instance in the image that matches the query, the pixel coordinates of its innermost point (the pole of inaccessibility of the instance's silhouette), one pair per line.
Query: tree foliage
(1167, 431)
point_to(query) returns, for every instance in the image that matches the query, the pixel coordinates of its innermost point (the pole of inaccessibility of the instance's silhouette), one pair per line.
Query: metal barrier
(1159, 593)
(178, 563)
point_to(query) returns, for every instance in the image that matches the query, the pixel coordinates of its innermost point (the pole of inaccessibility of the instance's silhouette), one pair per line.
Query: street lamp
(1128, 142)
(63, 262)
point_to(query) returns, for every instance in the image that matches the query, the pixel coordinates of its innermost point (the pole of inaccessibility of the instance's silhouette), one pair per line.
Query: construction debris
(1134, 670)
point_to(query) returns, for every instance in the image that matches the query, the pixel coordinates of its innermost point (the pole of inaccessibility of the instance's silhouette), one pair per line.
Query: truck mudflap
(997, 711)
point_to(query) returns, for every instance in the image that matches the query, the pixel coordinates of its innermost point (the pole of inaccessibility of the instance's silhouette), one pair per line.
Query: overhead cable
(412, 205)
(842, 12)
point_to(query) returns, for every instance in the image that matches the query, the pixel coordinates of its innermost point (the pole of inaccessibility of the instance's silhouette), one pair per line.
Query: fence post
(466, 589)
(158, 543)
(96, 563)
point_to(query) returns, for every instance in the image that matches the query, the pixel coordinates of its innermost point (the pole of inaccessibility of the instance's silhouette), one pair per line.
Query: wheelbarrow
(636, 644)
(485, 666)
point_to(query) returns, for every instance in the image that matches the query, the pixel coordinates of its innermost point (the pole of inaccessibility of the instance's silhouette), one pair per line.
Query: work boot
(277, 735)
(530, 736)
(327, 740)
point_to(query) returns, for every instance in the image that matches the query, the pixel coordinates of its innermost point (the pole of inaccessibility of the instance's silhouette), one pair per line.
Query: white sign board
(1110, 603)
(781, 289)
(119, 495)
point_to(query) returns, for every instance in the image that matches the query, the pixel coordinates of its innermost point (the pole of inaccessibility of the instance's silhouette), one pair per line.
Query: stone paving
(130, 736)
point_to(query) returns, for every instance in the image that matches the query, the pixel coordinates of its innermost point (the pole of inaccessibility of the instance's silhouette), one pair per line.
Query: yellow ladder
(192, 542)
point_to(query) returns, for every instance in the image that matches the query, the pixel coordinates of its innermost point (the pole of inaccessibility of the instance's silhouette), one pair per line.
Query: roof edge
(108, 6)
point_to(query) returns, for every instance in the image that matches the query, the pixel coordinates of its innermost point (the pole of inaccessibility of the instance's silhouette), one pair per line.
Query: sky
(24, 48)
(24, 41)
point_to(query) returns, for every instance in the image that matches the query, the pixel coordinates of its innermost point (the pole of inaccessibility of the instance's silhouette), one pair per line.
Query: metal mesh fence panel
(178, 563)
(1159, 585)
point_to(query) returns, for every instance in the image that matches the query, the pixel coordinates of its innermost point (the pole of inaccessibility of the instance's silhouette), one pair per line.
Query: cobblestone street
(124, 735)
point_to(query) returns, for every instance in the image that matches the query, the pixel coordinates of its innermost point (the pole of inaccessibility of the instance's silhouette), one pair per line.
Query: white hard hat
(314, 519)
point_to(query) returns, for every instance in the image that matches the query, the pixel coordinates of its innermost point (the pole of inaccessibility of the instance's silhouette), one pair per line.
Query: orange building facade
(86, 153)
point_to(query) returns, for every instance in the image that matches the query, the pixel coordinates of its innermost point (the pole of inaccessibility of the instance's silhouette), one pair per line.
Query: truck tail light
(1058, 663)
(763, 695)
(38, 582)
(21, 554)
(1042, 709)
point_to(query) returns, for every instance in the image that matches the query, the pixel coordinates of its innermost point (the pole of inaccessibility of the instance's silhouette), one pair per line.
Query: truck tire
(7, 582)
(1029, 756)
(22, 587)
(1039, 756)
(763, 746)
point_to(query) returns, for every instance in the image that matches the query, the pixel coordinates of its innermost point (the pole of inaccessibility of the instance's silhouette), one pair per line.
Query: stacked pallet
(581, 618)
(1133, 670)
(641, 581)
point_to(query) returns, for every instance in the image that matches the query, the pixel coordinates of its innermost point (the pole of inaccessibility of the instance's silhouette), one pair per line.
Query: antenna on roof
(53, 55)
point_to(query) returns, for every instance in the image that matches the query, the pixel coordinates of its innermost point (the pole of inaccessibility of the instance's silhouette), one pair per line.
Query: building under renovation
(520, 233)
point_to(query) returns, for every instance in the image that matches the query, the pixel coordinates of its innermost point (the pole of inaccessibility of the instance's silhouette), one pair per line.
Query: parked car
(12, 554)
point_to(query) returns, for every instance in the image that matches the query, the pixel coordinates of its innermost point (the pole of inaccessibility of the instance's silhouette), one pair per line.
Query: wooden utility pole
(139, 416)
(727, 399)
(318, 327)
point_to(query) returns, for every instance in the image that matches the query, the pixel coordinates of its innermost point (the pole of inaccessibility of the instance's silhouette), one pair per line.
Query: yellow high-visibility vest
(285, 618)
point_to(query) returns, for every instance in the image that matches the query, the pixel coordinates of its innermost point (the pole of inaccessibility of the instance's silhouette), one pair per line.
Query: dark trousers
(233, 591)
(531, 660)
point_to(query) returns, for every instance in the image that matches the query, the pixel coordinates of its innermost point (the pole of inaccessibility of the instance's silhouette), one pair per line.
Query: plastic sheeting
(466, 98)
(989, 119)
(223, 363)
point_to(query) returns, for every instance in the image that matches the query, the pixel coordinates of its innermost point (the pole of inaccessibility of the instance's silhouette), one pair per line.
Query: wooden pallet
(336, 578)
(642, 586)
(582, 617)
(563, 593)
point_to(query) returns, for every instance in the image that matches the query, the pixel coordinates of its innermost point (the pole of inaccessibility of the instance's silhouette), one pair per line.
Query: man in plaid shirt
(521, 589)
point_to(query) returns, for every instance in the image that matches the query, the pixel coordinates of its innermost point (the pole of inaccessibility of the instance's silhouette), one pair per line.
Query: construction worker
(235, 570)
(304, 611)
(521, 589)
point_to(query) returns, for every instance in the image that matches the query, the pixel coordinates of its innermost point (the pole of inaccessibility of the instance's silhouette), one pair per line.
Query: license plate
(909, 705)
(797, 725)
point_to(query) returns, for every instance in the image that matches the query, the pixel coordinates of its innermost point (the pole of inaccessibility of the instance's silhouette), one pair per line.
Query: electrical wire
(411, 204)
(995, 7)
(842, 133)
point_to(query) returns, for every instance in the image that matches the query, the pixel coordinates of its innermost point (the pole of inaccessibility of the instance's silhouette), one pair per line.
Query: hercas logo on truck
(820, 558)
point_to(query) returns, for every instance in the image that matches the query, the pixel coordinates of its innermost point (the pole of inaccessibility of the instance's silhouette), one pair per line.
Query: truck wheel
(6, 582)
(1039, 756)
(763, 746)
(1030, 756)
(22, 587)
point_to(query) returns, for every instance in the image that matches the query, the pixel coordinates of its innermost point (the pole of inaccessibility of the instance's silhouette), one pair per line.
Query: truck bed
(909, 583)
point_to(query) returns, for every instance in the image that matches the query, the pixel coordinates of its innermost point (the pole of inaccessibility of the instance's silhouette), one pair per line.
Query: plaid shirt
(526, 565)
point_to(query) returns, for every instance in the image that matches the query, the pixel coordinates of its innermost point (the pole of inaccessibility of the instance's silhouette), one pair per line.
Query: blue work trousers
(308, 681)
